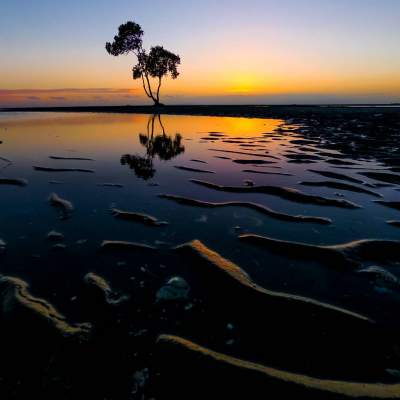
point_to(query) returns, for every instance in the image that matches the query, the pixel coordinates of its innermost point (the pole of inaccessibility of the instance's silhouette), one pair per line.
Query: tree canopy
(155, 64)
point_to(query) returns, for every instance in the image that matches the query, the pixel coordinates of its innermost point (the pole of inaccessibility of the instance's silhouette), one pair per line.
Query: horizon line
(202, 105)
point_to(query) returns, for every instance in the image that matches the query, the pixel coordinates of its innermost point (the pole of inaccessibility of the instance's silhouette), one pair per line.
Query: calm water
(140, 153)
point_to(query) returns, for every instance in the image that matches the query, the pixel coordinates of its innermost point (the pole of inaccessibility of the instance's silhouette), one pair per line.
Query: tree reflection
(142, 166)
(162, 145)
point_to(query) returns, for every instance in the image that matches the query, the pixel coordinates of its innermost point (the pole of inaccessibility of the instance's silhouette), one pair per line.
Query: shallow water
(125, 162)
(26, 216)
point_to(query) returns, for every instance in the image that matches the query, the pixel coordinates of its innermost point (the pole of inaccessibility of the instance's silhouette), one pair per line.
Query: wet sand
(285, 285)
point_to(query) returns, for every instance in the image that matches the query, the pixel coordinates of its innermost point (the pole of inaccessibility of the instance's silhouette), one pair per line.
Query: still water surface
(139, 154)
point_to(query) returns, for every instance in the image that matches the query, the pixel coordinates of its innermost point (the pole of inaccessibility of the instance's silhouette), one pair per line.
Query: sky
(232, 51)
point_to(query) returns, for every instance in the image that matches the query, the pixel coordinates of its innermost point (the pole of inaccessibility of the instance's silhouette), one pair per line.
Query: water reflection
(142, 166)
(162, 145)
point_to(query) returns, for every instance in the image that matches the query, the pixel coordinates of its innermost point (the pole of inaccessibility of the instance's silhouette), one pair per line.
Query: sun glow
(243, 84)
(257, 57)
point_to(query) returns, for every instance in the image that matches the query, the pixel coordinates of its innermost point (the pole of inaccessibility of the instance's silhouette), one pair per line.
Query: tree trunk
(157, 103)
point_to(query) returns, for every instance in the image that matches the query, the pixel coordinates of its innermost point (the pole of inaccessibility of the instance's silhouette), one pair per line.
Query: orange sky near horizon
(229, 83)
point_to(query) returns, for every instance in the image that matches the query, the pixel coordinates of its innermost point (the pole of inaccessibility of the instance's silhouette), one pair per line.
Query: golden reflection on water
(42, 134)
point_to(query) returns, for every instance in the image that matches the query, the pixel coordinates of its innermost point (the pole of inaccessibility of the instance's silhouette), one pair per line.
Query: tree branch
(144, 87)
(149, 87)
(148, 127)
(152, 125)
(158, 89)
(162, 126)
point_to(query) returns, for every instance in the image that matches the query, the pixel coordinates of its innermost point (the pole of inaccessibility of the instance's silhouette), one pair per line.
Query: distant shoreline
(248, 111)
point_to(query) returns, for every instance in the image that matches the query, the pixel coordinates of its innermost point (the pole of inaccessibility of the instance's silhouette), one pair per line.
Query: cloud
(69, 96)
(121, 96)
(90, 91)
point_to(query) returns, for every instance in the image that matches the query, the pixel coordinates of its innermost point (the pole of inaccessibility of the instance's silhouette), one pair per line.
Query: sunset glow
(174, 174)
(277, 52)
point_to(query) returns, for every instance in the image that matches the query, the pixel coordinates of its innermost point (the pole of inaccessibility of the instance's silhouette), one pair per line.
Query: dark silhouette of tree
(154, 64)
(142, 166)
(164, 146)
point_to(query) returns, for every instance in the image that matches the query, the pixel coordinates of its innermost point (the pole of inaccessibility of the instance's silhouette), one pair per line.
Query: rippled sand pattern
(283, 241)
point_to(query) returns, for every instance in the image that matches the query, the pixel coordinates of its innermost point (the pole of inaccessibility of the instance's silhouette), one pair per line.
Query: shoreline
(243, 111)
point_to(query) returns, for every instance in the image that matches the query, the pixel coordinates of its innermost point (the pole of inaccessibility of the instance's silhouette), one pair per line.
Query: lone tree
(151, 65)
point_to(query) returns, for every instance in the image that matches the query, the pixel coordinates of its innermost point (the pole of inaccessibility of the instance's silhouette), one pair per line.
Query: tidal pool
(162, 181)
